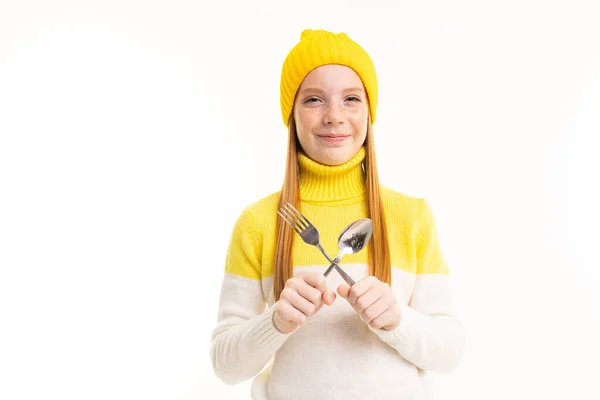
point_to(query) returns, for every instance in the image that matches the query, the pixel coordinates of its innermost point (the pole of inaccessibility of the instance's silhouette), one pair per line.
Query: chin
(335, 157)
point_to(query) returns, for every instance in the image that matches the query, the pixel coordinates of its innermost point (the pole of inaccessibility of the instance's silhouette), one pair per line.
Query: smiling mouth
(334, 136)
(334, 140)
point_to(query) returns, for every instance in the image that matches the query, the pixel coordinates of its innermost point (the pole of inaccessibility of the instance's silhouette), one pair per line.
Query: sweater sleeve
(429, 334)
(245, 338)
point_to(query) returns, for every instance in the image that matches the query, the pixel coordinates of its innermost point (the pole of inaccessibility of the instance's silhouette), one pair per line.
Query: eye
(353, 98)
(311, 100)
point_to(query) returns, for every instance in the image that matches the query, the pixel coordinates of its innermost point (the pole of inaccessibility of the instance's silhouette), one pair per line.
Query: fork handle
(344, 275)
(334, 263)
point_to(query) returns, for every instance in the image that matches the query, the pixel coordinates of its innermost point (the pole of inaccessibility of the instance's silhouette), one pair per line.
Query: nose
(334, 114)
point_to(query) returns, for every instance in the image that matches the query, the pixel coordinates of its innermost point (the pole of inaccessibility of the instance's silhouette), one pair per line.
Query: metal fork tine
(300, 215)
(290, 216)
(289, 223)
(295, 217)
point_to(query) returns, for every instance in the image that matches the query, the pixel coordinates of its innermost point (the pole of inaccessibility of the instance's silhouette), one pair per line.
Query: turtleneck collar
(325, 183)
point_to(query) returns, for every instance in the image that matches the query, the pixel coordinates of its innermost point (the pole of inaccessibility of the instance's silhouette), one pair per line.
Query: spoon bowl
(352, 240)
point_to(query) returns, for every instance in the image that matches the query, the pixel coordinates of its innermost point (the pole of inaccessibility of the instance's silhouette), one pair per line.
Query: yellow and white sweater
(336, 355)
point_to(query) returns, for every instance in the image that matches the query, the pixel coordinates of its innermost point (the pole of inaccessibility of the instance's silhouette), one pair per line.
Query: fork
(310, 235)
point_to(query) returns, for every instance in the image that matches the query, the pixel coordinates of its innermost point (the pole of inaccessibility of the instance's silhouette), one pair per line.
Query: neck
(339, 183)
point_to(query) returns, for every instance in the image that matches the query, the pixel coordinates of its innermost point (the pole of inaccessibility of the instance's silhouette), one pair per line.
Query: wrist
(281, 326)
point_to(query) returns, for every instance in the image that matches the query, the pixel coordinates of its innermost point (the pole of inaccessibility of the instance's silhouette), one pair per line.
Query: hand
(374, 301)
(302, 296)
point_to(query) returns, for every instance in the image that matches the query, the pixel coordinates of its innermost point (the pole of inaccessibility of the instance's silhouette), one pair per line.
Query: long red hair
(379, 256)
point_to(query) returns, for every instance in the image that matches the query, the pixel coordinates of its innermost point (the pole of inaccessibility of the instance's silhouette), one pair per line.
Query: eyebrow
(318, 90)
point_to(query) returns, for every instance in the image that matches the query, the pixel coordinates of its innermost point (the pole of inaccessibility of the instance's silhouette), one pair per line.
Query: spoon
(352, 240)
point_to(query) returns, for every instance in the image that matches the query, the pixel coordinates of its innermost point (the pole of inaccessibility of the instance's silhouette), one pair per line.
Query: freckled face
(331, 114)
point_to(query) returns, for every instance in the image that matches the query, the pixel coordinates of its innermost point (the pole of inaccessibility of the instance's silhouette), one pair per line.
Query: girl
(301, 335)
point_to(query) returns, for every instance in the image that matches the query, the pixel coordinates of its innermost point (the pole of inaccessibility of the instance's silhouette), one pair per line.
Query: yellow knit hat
(320, 47)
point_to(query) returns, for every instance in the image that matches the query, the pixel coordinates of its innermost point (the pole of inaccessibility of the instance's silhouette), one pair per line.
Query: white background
(132, 133)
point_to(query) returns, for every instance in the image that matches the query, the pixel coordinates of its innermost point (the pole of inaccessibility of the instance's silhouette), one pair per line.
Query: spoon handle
(344, 275)
(334, 263)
